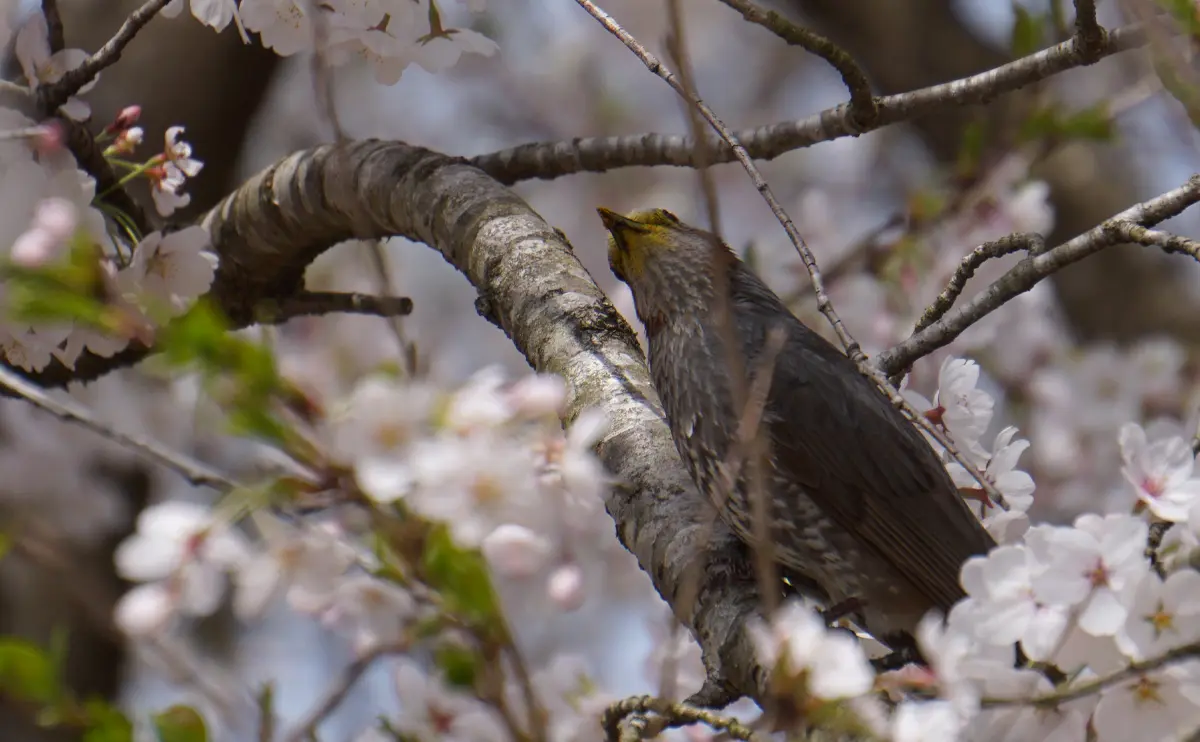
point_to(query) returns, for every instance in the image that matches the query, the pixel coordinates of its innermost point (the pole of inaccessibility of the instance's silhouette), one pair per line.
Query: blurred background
(888, 214)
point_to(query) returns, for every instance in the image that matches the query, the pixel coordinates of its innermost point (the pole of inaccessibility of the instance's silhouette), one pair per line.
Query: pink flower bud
(128, 116)
(565, 587)
(50, 138)
(515, 551)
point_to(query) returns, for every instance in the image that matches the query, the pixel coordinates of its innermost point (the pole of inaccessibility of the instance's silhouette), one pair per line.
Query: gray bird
(858, 501)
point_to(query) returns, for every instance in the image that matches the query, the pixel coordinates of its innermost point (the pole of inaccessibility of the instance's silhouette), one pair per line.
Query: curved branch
(1026, 274)
(531, 284)
(549, 160)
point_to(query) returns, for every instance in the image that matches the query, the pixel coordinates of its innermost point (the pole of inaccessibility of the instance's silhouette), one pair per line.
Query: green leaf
(1028, 32)
(970, 151)
(27, 671)
(106, 723)
(249, 380)
(1184, 11)
(459, 664)
(1091, 123)
(461, 576)
(180, 724)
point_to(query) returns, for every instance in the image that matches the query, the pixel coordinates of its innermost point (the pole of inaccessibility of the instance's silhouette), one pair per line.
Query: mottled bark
(532, 286)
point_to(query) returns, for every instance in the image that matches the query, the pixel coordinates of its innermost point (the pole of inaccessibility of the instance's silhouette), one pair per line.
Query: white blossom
(32, 49)
(1161, 472)
(185, 549)
(1096, 565)
(434, 712)
(833, 662)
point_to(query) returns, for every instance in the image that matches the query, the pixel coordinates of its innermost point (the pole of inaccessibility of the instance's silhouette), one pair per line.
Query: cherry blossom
(213, 13)
(307, 561)
(372, 611)
(434, 712)
(53, 224)
(173, 268)
(32, 49)
(797, 641)
(516, 551)
(1148, 707)
(1019, 723)
(1164, 614)
(1161, 472)
(1096, 565)
(185, 552)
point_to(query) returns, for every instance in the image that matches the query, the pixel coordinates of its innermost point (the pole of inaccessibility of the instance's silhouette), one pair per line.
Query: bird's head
(667, 264)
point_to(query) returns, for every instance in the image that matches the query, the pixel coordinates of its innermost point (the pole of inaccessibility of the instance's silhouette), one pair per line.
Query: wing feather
(860, 460)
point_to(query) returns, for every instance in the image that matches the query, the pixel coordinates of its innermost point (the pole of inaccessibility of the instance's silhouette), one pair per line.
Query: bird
(858, 503)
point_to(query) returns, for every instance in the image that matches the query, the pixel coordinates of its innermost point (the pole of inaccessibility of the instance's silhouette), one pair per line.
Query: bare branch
(306, 728)
(307, 303)
(194, 471)
(1089, 34)
(1033, 243)
(1172, 243)
(739, 152)
(548, 160)
(824, 305)
(50, 97)
(862, 111)
(1026, 274)
(675, 714)
(1133, 670)
(54, 24)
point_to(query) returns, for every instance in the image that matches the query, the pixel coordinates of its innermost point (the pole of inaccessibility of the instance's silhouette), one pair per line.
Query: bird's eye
(669, 215)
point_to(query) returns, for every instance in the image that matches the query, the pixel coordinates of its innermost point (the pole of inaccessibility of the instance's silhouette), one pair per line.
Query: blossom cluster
(52, 217)
(1084, 599)
(488, 461)
(387, 35)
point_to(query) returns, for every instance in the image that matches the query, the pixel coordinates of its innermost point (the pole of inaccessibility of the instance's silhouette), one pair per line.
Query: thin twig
(1089, 33)
(1032, 270)
(29, 132)
(676, 43)
(309, 303)
(749, 446)
(863, 110)
(677, 48)
(1030, 242)
(51, 96)
(760, 184)
(408, 353)
(677, 715)
(824, 305)
(1166, 241)
(548, 160)
(193, 471)
(306, 728)
(54, 25)
(1057, 698)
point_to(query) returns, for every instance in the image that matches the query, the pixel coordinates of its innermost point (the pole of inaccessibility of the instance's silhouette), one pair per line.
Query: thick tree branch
(271, 228)
(548, 160)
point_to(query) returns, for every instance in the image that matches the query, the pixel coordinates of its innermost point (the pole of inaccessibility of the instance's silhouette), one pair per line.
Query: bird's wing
(863, 462)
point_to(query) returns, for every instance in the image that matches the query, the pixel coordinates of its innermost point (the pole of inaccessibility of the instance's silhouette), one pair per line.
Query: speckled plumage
(859, 502)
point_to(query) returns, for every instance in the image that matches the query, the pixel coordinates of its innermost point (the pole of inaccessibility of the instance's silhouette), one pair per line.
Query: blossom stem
(1134, 669)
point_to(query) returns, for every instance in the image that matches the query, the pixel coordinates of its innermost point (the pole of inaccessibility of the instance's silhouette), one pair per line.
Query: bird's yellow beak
(615, 223)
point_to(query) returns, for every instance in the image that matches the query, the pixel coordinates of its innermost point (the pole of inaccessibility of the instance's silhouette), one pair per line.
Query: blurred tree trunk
(180, 73)
(1121, 294)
